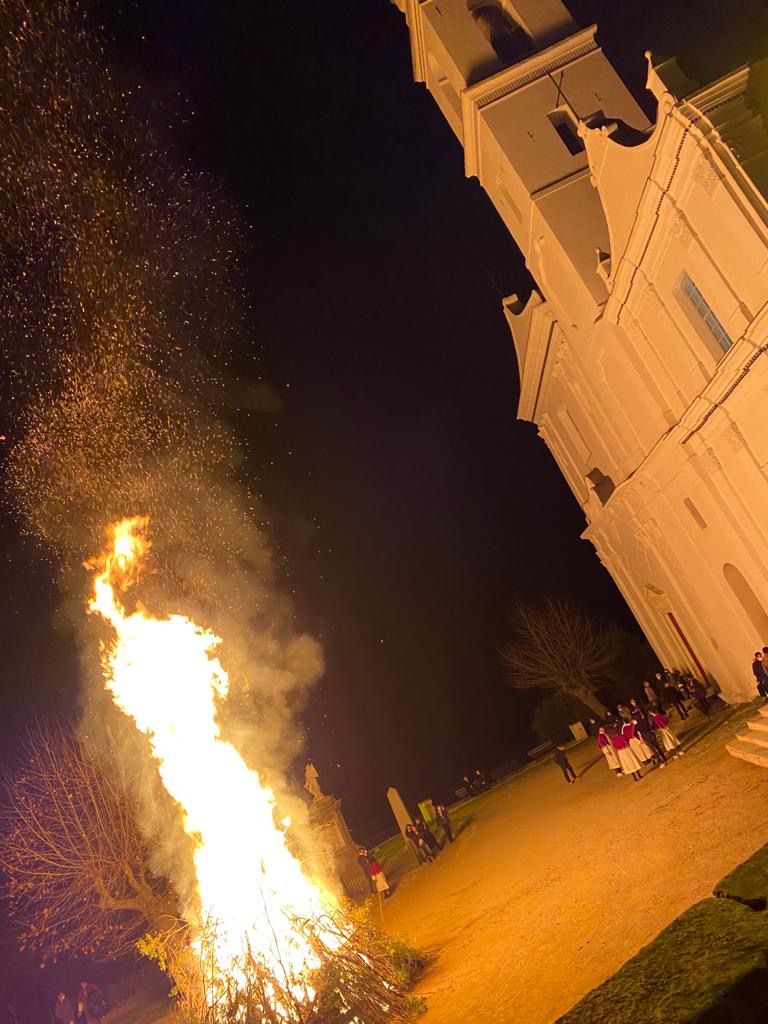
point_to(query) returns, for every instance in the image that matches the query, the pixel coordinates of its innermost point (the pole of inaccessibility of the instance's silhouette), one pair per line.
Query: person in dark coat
(426, 834)
(418, 847)
(442, 819)
(760, 673)
(647, 734)
(699, 694)
(62, 1011)
(561, 760)
(364, 860)
(673, 698)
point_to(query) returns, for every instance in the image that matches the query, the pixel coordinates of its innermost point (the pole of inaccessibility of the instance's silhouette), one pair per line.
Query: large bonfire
(164, 673)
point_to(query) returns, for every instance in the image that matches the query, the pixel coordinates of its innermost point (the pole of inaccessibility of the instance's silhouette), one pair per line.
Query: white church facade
(643, 349)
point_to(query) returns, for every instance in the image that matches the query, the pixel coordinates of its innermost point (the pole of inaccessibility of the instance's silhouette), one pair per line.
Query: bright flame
(164, 674)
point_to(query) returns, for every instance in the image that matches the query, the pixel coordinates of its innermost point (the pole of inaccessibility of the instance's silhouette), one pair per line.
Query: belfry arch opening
(510, 42)
(753, 607)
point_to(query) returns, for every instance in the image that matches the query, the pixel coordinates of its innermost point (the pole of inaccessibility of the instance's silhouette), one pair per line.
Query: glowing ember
(164, 674)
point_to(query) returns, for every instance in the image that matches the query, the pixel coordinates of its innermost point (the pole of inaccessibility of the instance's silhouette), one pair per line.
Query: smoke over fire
(119, 293)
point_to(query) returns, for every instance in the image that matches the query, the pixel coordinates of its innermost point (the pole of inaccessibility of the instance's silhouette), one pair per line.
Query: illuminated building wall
(642, 350)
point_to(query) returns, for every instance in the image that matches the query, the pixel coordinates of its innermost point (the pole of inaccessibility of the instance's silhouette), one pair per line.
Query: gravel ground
(549, 888)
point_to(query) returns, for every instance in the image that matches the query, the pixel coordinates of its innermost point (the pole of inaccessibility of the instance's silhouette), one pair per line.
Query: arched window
(749, 601)
(510, 42)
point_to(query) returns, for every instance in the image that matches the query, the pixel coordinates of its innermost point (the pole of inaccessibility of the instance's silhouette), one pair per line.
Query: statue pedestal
(328, 824)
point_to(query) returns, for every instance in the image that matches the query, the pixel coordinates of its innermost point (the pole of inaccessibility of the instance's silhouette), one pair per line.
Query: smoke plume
(119, 287)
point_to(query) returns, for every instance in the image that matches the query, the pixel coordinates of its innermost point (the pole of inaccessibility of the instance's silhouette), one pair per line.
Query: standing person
(760, 673)
(415, 844)
(648, 736)
(635, 708)
(442, 819)
(62, 1011)
(629, 763)
(669, 741)
(426, 834)
(651, 694)
(364, 860)
(606, 748)
(91, 1005)
(378, 878)
(660, 680)
(561, 760)
(699, 694)
(637, 745)
(672, 697)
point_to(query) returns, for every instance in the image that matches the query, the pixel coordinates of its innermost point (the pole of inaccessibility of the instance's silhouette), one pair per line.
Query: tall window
(705, 312)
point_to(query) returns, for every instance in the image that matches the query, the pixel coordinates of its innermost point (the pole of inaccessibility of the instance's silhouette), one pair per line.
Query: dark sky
(410, 507)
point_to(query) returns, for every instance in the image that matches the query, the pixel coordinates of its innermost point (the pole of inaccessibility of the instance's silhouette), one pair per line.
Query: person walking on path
(760, 673)
(364, 860)
(669, 741)
(442, 819)
(561, 760)
(607, 750)
(378, 878)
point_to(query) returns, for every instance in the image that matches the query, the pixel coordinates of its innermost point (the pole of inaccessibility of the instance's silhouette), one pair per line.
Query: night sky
(409, 507)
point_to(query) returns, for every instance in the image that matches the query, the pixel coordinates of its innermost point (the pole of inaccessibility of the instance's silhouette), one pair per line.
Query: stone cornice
(415, 30)
(536, 322)
(494, 88)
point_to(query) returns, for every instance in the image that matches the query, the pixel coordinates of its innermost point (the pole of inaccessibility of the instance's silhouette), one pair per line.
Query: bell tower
(517, 80)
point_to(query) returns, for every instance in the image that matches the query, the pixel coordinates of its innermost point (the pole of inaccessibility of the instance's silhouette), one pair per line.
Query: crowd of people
(639, 734)
(420, 840)
(89, 1006)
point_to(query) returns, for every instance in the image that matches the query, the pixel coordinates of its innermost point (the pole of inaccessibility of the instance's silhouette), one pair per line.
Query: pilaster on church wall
(551, 432)
(568, 386)
(736, 489)
(620, 558)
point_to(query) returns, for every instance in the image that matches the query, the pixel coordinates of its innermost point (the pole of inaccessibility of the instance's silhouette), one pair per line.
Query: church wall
(644, 377)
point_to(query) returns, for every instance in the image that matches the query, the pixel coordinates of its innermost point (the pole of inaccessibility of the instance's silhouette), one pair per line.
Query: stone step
(756, 738)
(748, 752)
(759, 724)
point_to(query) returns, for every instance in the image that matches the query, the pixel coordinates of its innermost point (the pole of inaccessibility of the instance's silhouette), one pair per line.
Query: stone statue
(311, 783)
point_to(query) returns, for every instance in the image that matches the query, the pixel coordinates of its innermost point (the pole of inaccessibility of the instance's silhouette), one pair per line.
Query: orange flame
(165, 675)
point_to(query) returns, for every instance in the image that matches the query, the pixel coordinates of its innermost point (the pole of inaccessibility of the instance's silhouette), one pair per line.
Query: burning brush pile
(119, 294)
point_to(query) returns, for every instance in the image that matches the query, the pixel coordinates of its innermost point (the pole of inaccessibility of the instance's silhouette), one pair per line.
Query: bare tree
(558, 649)
(74, 861)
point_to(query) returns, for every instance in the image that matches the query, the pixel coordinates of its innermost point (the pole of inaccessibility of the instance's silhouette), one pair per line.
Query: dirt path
(549, 888)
